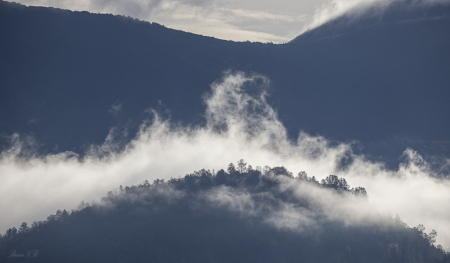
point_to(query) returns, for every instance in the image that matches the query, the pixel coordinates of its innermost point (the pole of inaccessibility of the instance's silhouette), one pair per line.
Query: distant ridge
(381, 81)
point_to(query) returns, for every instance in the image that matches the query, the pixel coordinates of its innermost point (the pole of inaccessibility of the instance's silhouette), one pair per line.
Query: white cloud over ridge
(239, 124)
(323, 205)
(205, 17)
(262, 20)
(336, 8)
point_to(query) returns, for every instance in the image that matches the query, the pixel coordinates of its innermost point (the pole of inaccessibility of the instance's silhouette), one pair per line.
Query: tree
(58, 214)
(52, 218)
(281, 170)
(332, 181)
(82, 205)
(231, 169)
(431, 237)
(11, 232)
(242, 166)
(146, 184)
(23, 227)
(420, 228)
(158, 181)
(64, 214)
(35, 225)
(360, 191)
(302, 175)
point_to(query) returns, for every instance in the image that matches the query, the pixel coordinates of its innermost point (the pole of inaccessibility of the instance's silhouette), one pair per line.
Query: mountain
(242, 215)
(379, 77)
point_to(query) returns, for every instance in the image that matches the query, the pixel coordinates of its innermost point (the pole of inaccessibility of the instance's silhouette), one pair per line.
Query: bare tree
(242, 166)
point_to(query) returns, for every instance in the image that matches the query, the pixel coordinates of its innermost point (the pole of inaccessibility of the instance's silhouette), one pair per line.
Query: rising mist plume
(239, 124)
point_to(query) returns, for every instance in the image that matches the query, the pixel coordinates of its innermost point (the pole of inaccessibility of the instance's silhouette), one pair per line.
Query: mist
(323, 205)
(354, 8)
(239, 124)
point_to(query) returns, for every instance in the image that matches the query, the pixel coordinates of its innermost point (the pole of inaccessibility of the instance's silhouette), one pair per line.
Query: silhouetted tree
(302, 175)
(335, 182)
(242, 166)
(146, 184)
(431, 237)
(359, 191)
(231, 169)
(11, 232)
(23, 227)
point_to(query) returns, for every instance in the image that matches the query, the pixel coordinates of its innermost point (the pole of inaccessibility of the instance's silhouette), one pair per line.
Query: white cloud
(262, 21)
(335, 8)
(263, 15)
(323, 205)
(219, 19)
(238, 126)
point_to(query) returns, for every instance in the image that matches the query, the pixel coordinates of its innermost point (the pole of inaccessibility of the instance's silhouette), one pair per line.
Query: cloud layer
(306, 208)
(239, 124)
(354, 8)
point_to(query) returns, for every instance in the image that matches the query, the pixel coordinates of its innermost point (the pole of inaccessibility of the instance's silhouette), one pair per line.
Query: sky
(238, 126)
(238, 20)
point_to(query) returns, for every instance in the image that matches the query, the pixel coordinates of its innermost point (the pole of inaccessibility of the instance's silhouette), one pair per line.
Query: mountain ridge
(363, 86)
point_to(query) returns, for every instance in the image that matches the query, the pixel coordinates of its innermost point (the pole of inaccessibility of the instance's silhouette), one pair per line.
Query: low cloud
(305, 211)
(336, 8)
(354, 8)
(239, 124)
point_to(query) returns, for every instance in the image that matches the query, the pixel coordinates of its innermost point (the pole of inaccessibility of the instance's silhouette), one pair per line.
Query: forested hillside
(380, 78)
(239, 215)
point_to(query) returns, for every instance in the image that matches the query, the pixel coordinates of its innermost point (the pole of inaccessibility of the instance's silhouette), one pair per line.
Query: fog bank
(240, 124)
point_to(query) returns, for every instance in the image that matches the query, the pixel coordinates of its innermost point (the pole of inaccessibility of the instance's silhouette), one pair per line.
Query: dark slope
(383, 76)
(390, 67)
(63, 70)
(377, 78)
(185, 220)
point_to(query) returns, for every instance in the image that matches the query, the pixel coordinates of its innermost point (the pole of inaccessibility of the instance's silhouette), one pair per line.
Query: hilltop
(241, 215)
